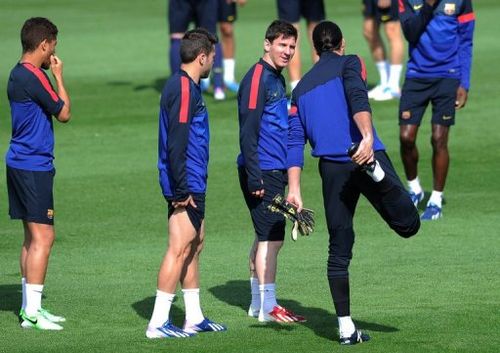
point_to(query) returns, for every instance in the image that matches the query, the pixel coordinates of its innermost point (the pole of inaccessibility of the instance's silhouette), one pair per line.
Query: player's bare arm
(56, 66)
(294, 196)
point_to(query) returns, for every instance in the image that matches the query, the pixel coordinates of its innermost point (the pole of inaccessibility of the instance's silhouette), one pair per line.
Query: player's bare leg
(409, 150)
(22, 262)
(295, 66)
(38, 253)
(310, 28)
(254, 308)
(182, 234)
(228, 51)
(394, 35)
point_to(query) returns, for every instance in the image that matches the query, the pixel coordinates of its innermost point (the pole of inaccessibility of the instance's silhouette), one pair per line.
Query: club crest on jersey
(50, 214)
(449, 9)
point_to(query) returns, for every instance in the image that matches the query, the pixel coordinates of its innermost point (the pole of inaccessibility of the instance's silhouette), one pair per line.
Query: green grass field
(438, 292)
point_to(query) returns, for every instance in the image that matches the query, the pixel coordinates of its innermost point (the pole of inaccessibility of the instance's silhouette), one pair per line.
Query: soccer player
(183, 147)
(377, 12)
(29, 160)
(291, 11)
(204, 14)
(263, 120)
(227, 17)
(438, 72)
(330, 109)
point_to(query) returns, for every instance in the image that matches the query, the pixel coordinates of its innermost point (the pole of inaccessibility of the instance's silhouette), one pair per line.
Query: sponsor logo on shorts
(449, 9)
(406, 115)
(417, 7)
(50, 214)
(447, 117)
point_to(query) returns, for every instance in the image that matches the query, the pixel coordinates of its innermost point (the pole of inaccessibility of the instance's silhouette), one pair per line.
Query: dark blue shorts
(202, 12)
(30, 195)
(269, 226)
(381, 15)
(227, 12)
(196, 215)
(292, 10)
(417, 93)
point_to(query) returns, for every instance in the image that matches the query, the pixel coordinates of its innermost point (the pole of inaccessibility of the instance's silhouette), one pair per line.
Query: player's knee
(226, 29)
(410, 228)
(439, 142)
(338, 266)
(407, 141)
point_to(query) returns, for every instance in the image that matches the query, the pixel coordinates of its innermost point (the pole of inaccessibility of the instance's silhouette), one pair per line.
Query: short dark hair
(35, 30)
(327, 36)
(280, 28)
(195, 42)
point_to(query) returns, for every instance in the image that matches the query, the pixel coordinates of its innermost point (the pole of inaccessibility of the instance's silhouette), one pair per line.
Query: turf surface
(438, 292)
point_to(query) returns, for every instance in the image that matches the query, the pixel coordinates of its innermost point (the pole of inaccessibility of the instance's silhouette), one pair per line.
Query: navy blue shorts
(269, 226)
(417, 93)
(30, 195)
(292, 10)
(227, 12)
(381, 15)
(196, 215)
(202, 12)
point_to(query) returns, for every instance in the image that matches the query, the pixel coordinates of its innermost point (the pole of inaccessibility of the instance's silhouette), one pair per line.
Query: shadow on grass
(11, 297)
(320, 321)
(144, 308)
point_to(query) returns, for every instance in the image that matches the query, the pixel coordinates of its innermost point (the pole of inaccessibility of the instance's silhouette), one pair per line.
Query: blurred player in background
(263, 121)
(227, 16)
(183, 147)
(385, 12)
(439, 66)
(29, 159)
(204, 14)
(291, 11)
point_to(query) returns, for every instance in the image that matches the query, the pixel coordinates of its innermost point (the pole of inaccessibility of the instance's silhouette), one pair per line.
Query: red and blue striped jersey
(183, 138)
(263, 121)
(440, 38)
(33, 101)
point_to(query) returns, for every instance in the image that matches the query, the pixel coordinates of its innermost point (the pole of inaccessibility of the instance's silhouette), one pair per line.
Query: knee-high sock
(217, 69)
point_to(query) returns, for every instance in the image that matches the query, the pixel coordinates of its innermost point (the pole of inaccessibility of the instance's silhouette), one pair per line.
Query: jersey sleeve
(414, 23)
(466, 24)
(354, 76)
(296, 137)
(41, 91)
(180, 115)
(252, 102)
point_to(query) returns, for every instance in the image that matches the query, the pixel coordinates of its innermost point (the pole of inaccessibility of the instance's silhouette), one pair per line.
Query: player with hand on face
(183, 147)
(263, 121)
(29, 159)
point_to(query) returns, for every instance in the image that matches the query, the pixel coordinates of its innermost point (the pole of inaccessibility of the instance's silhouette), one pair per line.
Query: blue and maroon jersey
(183, 140)
(440, 38)
(33, 101)
(323, 105)
(263, 119)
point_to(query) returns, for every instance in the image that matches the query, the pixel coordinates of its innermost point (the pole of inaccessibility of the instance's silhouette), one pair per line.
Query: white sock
(436, 198)
(192, 306)
(254, 289)
(33, 298)
(346, 326)
(229, 65)
(382, 72)
(414, 185)
(294, 84)
(23, 284)
(161, 311)
(394, 76)
(378, 173)
(267, 297)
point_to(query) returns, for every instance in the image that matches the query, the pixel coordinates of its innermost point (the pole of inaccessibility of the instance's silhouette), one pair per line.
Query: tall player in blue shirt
(30, 169)
(440, 34)
(330, 109)
(182, 164)
(263, 120)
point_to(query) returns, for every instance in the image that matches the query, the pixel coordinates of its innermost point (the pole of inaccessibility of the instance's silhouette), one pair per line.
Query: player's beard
(46, 64)
(205, 74)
